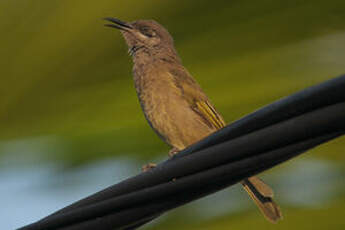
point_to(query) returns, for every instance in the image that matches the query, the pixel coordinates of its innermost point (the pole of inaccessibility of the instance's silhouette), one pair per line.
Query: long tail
(262, 195)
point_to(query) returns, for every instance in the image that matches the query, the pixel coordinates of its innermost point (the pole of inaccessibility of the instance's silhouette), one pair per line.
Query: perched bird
(173, 103)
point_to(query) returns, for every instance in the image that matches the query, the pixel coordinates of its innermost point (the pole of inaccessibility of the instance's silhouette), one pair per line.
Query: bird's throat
(133, 50)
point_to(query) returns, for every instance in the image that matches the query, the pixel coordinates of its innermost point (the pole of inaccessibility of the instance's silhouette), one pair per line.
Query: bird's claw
(148, 166)
(173, 152)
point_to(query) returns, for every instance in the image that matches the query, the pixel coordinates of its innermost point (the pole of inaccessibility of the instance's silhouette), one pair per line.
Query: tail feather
(262, 195)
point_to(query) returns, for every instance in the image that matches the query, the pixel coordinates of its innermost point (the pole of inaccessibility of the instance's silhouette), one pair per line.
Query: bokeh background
(71, 125)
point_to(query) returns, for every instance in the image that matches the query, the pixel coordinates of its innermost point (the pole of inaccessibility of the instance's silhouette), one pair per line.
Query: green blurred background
(71, 124)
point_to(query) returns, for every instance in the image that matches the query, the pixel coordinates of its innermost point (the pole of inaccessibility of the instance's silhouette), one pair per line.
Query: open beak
(118, 24)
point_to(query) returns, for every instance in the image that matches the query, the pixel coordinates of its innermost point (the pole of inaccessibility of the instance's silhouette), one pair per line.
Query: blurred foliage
(295, 218)
(66, 81)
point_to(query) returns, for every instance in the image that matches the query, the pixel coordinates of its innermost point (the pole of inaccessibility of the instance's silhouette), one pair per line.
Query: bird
(173, 102)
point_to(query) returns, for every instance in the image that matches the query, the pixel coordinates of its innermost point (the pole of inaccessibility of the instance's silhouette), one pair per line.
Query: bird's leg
(148, 166)
(173, 151)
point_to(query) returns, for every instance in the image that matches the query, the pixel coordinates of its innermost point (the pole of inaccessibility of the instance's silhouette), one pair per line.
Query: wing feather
(197, 99)
(210, 114)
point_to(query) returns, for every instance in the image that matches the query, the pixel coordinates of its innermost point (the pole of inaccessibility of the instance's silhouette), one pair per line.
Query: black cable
(251, 145)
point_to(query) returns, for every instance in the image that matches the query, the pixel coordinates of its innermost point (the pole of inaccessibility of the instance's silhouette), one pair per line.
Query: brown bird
(173, 103)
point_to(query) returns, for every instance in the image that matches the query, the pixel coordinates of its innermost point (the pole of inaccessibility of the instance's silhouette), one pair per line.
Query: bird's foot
(148, 166)
(173, 151)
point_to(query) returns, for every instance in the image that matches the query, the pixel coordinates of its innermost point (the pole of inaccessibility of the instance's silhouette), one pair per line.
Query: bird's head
(143, 34)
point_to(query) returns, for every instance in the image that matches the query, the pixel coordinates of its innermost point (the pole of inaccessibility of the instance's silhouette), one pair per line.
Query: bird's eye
(147, 32)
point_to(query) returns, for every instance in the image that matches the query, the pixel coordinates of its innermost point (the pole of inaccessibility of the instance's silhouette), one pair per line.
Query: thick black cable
(327, 93)
(255, 143)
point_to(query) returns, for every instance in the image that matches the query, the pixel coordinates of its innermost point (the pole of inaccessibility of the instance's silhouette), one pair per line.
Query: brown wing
(260, 192)
(197, 98)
